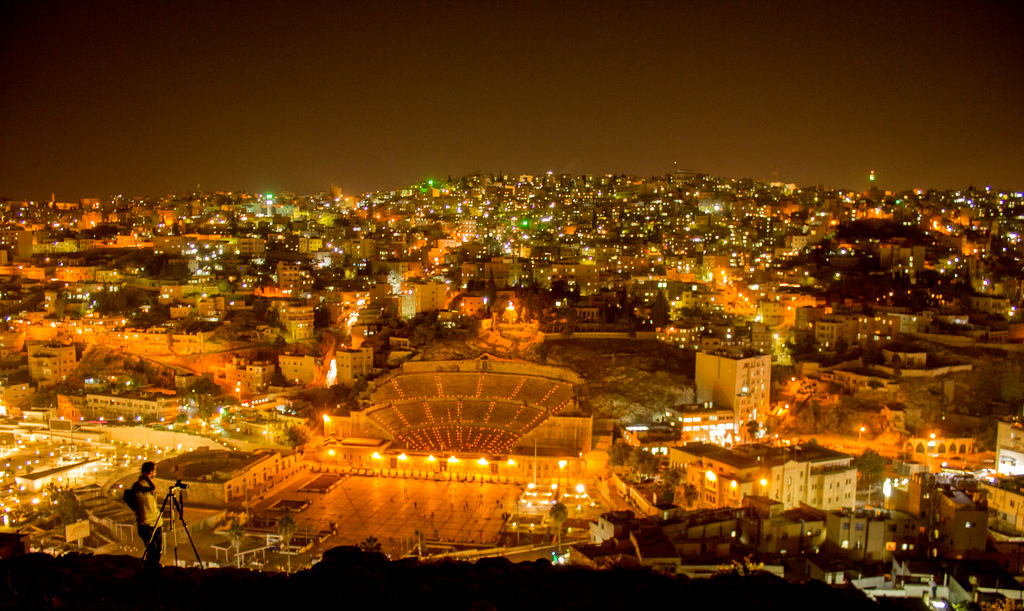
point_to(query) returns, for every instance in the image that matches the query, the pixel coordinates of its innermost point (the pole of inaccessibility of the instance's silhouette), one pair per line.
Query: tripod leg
(180, 506)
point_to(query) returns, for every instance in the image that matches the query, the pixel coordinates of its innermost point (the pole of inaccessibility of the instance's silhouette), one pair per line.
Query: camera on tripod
(179, 485)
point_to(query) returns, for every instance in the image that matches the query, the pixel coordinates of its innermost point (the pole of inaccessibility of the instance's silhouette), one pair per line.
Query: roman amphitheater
(484, 407)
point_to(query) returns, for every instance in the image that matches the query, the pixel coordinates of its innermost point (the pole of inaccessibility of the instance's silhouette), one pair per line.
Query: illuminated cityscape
(678, 371)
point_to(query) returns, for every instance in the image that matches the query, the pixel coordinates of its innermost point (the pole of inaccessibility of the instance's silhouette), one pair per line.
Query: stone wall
(493, 365)
(160, 439)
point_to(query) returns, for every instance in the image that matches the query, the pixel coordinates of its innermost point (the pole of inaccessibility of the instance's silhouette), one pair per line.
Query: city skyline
(149, 100)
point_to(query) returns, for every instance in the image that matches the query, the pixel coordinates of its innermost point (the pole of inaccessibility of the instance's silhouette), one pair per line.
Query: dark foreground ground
(350, 579)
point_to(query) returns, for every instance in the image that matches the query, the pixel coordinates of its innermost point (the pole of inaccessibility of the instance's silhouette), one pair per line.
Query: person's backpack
(130, 498)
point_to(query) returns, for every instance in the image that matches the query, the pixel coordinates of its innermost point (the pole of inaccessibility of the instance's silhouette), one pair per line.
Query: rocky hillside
(627, 380)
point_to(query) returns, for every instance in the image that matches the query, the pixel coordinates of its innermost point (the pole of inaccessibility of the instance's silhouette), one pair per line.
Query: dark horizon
(150, 99)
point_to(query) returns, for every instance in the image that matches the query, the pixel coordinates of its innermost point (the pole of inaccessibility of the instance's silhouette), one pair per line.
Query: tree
(660, 311)
(371, 544)
(69, 509)
(618, 455)
(690, 494)
(321, 318)
(236, 533)
(870, 465)
(286, 528)
(559, 514)
(205, 407)
(491, 292)
(298, 435)
(753, 428)
(642, 463)
(669, 482)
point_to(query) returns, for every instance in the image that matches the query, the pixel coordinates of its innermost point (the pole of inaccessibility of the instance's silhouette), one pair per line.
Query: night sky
(151, 98)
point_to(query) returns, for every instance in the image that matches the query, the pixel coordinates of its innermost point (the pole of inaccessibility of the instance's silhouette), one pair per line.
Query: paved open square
(394, 509)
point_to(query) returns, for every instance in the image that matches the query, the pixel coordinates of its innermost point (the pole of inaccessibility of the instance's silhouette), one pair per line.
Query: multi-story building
(299, 369)
(771, 313)
(13, 396)
(353, 363)
(810, 474)
(17, 243)
(871, 536)
(75, 273)
(807, 474)
(251, 247)
(168, 245)
(419, 297)
(11, 343)
(699, 422)
(190, 343)
(954, 512)
(830, 330)
(741, 383)
(722, 477)
(155, 340)
(1010, 447)
(290, 276)
(298, 321)
(251, 376)
(143, 406)
(50, 362)
(1006, 504)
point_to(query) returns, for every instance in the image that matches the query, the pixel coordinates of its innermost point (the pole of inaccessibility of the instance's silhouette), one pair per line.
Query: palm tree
(559, 514)
(236, 534)
(690, 494)
(371, 544)
(286, 528)
(752, 429)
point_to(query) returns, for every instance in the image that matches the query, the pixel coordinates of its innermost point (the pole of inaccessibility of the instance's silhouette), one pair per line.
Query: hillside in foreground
(349, 578)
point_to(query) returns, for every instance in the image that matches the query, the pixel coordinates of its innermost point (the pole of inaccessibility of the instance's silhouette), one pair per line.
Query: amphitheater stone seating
(458, 384)
(474, 411)
(557, 397)
(418, 385)
(499, 386)
(388, 391)
(465, 411)
(535, 389)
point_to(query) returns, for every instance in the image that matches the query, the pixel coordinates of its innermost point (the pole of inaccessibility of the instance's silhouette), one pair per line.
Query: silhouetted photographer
(141, 497)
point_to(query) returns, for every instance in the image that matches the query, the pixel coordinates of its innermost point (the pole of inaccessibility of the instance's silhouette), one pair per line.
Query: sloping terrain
(350, 579)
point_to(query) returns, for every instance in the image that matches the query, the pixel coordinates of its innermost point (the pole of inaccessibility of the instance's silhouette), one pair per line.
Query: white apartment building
(742, 384)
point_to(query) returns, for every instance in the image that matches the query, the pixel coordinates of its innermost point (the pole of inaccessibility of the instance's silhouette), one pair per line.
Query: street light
(860, 437)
